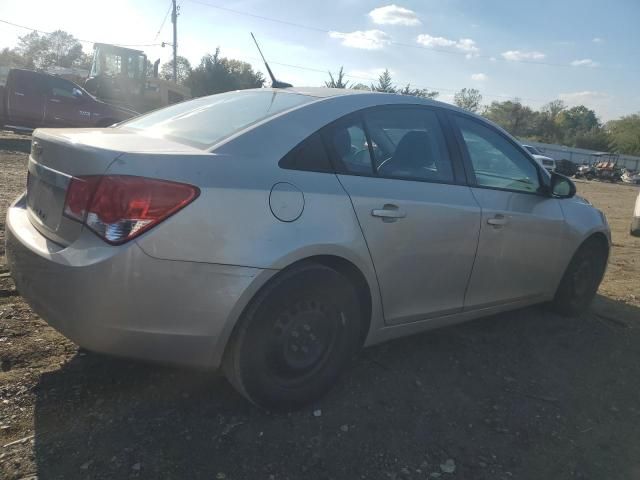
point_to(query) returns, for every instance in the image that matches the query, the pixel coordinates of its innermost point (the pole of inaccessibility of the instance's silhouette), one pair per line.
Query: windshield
(116, 62)
(205, 121)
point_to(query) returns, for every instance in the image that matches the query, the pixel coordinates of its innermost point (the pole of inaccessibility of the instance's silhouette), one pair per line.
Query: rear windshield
(205, 121)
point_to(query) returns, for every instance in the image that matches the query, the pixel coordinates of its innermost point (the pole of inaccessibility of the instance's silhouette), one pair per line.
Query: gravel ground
(525, 395)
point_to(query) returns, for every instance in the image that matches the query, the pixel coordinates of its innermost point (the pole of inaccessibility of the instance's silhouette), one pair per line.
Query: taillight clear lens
(119, 207)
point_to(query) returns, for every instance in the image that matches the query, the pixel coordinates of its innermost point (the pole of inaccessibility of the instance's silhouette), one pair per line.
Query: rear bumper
(118, 300)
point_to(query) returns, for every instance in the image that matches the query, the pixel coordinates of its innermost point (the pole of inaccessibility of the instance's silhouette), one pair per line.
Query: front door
(420, 224)
(522, 227)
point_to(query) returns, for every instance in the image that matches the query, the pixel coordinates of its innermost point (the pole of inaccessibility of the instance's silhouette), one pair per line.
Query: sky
(580, 51)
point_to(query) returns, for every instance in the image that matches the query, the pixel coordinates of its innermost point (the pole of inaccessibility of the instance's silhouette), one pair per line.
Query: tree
(385, 84)
(11, 58)
(57, 48)
(625, 134)
(469, 99)
(183, 71)
(337, 82)
(217, 74)
(517, 119)
(547, 128)
(594, 139)
(360, 86)
(418, 92)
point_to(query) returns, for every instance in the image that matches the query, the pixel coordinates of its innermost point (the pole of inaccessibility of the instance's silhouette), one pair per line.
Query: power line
(80, 39)
(371, 79)
(166, 15)
(406, 45)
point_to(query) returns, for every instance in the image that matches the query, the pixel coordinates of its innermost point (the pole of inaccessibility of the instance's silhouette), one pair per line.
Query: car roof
(324, 93)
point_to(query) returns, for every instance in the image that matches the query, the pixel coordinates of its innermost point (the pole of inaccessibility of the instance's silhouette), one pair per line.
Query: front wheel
(295, 338)
(581, 280)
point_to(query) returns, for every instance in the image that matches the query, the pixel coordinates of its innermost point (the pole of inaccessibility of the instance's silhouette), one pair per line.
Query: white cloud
(601, 102)
(479, 77)
(517, 55)
(394, 15)
(367, 39)
(465, 45)
(585, 62)
(586, 97)
(598, 40)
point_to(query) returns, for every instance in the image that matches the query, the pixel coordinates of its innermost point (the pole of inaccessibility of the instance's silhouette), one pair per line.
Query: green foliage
(360, 86)
(385, 84)
(217, 74)
(183, 71)
(57, 48)
(513, 116)
(418, 92)
(625, 134)
(338, 81)
(469, 99)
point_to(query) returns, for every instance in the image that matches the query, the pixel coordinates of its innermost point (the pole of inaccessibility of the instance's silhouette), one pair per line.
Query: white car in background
(547, 163)
(635, 221)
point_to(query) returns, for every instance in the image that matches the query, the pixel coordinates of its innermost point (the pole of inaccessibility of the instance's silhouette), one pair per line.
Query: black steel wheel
(295, 338)
(581, 280)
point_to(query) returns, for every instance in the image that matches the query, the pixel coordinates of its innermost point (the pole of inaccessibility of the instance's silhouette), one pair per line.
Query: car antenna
(274, 83)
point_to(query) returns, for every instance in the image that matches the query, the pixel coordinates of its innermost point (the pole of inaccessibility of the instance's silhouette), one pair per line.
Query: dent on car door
(522, 227)
(420, 225)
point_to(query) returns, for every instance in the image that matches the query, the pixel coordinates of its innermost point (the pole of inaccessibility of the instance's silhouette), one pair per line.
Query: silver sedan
(275, 232)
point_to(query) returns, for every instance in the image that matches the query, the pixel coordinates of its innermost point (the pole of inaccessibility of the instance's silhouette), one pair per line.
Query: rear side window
(346, 140)
(205, 121)
(309, 155)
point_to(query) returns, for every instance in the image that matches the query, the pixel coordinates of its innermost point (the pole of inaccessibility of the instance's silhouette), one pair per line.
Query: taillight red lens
(79, 193)
(121, 207)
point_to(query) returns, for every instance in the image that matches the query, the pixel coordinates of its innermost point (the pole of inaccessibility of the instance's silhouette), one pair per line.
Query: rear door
(65, 104)
(25, 99)
(522, 226)
(420, 222)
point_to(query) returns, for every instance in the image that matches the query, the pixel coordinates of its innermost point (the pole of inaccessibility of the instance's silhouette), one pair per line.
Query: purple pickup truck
(30, 100)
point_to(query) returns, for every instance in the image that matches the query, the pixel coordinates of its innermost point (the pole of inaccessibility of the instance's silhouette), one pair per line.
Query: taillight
(120, 207)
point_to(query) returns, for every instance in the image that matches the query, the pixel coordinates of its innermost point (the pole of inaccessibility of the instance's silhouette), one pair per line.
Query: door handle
(388, 213)
(497, 221)
(54, 100)
(19, 94)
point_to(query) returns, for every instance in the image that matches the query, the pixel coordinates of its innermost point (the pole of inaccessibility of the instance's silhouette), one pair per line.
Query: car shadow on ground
(527, 394)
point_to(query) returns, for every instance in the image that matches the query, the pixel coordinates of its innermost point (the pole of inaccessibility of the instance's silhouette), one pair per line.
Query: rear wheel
(295, 338)
(581, 279)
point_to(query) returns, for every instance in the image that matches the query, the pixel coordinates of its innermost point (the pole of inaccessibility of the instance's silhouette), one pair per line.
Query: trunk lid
(58, 155)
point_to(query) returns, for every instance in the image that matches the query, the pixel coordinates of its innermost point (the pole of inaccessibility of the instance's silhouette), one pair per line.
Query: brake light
(119, 207)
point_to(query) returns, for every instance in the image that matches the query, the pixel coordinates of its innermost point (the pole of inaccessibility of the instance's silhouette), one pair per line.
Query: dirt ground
(524, 395)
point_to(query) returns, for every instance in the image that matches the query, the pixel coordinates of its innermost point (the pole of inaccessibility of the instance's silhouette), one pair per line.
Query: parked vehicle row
(274, 232)
(547, 163)
(32, 99)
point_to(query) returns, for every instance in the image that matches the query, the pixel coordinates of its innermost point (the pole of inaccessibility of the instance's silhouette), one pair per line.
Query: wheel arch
(340, 264)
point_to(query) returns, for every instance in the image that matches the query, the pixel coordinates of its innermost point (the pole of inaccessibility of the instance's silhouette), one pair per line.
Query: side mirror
(77, 93)
(561, 186)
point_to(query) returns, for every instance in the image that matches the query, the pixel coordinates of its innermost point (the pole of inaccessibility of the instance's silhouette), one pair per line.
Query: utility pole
(174, 20)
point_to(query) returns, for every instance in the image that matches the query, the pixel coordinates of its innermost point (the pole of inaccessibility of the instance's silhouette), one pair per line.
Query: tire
(295, 338)
(581, 280)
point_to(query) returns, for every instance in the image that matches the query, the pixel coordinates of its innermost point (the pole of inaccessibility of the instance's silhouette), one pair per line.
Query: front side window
(408, 144)
(205, 121)
(496, 162)
(62, 88)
